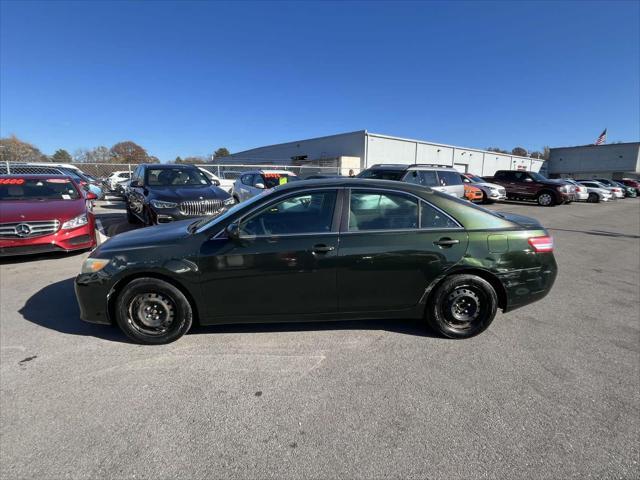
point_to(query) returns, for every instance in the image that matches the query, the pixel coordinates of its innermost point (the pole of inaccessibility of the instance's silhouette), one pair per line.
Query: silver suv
(255, 182)
(437, 177)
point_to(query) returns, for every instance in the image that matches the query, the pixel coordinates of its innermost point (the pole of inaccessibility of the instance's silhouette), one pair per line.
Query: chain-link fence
(222, 171)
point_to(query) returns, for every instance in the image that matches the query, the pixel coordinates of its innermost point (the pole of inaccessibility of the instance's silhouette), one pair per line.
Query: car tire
(593, 198)
(485, 199)
(153, 312)
(546, 199)
(462, 306)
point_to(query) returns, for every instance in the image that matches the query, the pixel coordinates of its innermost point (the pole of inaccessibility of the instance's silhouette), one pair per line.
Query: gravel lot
(549, 391)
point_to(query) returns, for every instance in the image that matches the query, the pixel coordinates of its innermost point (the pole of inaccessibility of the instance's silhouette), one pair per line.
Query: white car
(582, 194)
(490, 191)
(255, 182)
(616, 192)
(597, 192)
(223, 183)
(116, 178)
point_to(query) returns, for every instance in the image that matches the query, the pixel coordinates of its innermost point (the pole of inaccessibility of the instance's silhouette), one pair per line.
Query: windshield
(176, 177)
(207, 222)
(537, 177)
(37, 189)
(382, 174)
(272, 180)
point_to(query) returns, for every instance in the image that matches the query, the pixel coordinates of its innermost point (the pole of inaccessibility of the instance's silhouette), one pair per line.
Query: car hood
(177, 194)
(526, 222)
(162, 234)
(25, 210)
(487, 184)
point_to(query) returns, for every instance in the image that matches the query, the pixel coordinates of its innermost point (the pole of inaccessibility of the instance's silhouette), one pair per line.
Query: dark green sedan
(331, 249)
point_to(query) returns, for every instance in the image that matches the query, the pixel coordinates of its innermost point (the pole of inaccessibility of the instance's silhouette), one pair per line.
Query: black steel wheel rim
(465, 307)
(152, 313)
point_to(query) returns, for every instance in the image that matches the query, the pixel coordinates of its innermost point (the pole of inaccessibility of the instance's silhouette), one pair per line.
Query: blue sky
(183, 78)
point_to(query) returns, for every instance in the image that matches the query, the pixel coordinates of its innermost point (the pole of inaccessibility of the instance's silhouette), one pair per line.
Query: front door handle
(321, 248)
(446, 242)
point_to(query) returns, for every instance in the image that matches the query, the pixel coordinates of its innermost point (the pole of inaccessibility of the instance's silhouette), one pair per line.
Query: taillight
(542, 244)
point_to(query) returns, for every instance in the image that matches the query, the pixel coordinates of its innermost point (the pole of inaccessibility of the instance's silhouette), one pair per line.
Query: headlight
(92, 265)
(229, 201)
(162, 204)
(75, 222)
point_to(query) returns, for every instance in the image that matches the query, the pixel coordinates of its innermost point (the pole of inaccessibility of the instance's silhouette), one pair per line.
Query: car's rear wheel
(593, 198)
(151, 311)
(462, 306)
(546, 199)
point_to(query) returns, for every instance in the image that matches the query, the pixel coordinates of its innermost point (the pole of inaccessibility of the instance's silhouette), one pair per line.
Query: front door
(393, 247)
(283, 262)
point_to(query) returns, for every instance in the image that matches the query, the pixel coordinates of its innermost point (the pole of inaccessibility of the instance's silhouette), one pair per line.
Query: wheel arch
(490, 277)
(123, 282)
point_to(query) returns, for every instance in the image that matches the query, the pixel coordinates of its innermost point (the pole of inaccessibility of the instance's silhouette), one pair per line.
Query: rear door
(392, 246)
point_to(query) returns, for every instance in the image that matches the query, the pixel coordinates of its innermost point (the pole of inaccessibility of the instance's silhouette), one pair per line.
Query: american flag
(602, 138)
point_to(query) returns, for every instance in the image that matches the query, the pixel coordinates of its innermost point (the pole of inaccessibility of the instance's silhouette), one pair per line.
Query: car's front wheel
(462, 306)
(546, 199)
(151, 311)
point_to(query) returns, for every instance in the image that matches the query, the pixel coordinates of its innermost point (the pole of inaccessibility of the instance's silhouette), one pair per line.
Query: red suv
(44, 213)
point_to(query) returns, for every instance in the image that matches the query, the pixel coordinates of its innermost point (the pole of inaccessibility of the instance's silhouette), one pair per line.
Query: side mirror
(215, 182)
(134, 183)
(90, 196)
(259, 185)
(528, 180)
(233, 231)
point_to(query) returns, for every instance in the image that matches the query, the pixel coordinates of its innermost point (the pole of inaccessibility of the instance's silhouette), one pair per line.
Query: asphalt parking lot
(549, 391)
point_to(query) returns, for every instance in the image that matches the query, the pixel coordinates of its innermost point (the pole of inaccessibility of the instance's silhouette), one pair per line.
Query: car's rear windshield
(272, 180)
(382, 174)
(37, 189)
(176, 177)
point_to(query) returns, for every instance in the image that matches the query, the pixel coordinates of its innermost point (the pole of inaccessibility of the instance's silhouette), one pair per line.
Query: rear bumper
(529, 285)
(62, 241)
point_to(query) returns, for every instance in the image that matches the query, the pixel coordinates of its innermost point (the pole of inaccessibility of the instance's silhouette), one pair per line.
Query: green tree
(178, 159)
(221, 152)
(62, 156)
(128, 152)
(536, 154)
(520, 151)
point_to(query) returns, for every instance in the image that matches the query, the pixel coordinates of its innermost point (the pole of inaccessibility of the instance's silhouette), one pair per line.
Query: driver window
(304, 213)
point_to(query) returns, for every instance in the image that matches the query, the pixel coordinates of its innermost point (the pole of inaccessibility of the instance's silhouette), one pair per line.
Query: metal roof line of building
(427, 142)
(592, 145)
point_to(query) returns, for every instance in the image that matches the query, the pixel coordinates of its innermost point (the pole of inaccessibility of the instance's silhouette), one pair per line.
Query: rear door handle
(321, 248)
(446, 242)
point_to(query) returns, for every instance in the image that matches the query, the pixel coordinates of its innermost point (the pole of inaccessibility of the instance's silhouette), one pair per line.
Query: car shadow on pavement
(39, 256)
(55, 307)
(402, 326)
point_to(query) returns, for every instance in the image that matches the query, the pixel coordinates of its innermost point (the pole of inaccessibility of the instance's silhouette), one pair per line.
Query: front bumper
(93, 291)
(80, 238)
(493, 195)
(167, 215)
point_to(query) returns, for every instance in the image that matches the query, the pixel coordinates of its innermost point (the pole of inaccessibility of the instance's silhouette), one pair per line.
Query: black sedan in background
(164, 193)
(333, 249)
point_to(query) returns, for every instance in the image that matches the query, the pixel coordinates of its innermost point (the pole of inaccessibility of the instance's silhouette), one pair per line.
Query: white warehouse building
(361, 149)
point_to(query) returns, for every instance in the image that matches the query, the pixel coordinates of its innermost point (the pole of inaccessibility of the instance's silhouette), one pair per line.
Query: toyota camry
(339, 248)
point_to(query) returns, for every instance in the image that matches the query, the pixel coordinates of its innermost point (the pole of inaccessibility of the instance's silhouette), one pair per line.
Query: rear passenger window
(426, 178)
(431, 217)
(449, 178)
(382, 211)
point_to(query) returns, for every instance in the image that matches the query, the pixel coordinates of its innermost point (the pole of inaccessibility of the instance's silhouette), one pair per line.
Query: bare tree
(129, 152)
(12, 149)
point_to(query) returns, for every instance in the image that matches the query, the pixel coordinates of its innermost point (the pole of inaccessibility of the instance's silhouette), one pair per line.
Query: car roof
(169, 166)
(269, 170)
(355, 182)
